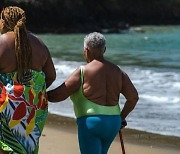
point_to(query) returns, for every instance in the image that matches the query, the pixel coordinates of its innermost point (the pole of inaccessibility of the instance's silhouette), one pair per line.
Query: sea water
(152, 61)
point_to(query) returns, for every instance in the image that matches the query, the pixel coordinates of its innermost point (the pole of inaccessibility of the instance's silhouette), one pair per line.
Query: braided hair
(14, 19)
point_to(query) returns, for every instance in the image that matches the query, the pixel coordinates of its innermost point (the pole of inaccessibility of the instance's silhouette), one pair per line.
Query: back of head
(95, 40)
(13, 19)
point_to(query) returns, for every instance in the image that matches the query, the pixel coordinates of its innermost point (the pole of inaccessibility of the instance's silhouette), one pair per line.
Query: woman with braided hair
(26, 70)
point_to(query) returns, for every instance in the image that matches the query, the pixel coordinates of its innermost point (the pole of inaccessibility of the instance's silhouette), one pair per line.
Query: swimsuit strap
(82, 74)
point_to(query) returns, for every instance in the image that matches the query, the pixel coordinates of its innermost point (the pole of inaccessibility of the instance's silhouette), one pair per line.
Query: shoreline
(60, 133)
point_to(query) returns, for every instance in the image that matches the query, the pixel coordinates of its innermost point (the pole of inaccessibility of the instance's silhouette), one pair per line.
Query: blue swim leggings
(96, 133)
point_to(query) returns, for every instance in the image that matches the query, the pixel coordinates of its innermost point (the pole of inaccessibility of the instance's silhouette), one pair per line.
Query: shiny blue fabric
(96, 133)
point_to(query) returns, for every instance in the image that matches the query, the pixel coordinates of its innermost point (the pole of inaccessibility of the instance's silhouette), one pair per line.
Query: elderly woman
(26, 69)
(95, 89)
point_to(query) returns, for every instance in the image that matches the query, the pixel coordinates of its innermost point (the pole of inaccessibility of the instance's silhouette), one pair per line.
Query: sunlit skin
(41, 59)
(103, 83)
(1, 26)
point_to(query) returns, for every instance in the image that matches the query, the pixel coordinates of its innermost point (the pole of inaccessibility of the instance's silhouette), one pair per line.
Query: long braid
(14, 20)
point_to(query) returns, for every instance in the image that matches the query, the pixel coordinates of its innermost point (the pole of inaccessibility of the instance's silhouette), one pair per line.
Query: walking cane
(124, 123)
(122, 143)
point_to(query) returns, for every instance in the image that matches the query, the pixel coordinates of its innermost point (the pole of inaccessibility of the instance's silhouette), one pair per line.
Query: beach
(151, 60)
(60, 137)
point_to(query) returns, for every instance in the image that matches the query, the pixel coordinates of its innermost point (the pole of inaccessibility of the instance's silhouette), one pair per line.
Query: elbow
(52, 97)
(53, 76)
(135, 100)
(50, 80)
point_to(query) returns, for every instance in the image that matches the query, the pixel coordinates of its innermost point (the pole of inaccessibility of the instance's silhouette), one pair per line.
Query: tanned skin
(103, 83)
(41, 58)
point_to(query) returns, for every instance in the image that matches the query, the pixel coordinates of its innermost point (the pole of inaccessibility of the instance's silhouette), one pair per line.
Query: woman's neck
(101, 59)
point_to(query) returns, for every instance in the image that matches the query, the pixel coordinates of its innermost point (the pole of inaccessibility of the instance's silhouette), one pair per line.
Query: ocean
(152, 61)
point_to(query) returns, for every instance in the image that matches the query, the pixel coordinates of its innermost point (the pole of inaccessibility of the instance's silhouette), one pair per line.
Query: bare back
(41, 59)
(102, 82)
(9, 63)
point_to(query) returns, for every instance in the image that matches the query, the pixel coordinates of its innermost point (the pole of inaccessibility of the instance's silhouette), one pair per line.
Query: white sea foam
(160, 99)
(176, 85)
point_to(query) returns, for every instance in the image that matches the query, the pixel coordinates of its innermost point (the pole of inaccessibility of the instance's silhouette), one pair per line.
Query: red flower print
(18, 89)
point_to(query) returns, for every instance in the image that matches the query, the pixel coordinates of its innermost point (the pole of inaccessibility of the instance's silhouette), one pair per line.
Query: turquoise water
(152, 61)
(157, 47)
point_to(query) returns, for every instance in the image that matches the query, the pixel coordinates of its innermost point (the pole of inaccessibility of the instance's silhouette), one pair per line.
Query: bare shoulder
(1, 44)
(36, 40)
(75, 76)
(114, 67)
(38, 45)
(7, 37)
(6, 41)
(2, 39)
(73, 82)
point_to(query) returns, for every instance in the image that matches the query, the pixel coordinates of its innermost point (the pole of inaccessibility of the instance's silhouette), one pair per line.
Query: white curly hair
(95, 40)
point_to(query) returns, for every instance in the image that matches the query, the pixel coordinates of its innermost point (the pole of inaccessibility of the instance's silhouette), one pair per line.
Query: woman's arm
(49, 71)
(70, 86)
(45, 59)
(131, 95)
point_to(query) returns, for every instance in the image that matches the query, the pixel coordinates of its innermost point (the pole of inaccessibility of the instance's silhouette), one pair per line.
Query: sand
(60, 137)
